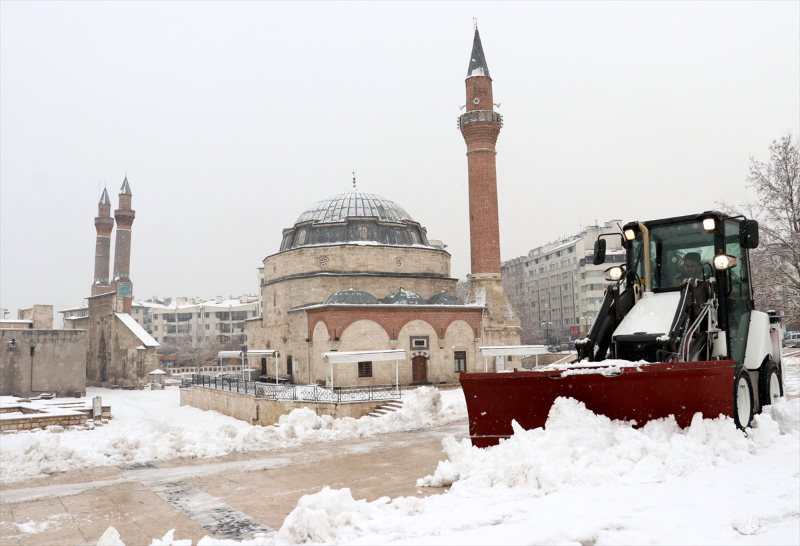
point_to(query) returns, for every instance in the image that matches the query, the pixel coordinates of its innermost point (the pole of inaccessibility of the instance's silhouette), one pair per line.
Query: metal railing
(302, 393)
(480, 115)
(231, 383)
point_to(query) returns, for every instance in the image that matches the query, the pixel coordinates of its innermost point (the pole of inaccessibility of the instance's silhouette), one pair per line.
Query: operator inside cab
(691, 268)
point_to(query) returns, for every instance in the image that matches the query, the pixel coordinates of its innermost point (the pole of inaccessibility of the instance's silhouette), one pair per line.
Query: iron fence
(302, 393)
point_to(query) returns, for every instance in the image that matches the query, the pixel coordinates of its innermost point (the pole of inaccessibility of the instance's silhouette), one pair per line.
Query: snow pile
(791, 375)
(151, 425)
(580, 462)
(578, 447)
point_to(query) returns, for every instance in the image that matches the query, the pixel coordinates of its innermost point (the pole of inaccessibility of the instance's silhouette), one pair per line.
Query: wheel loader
(677, 334)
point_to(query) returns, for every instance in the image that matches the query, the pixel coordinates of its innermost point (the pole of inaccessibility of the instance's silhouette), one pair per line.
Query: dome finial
(354, 180)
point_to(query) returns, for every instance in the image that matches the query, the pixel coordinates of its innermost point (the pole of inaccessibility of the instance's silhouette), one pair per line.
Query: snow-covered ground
(583, 480)
(152, 425)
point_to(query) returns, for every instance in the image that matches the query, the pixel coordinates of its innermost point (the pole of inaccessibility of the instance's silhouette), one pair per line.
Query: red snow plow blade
(641, 392)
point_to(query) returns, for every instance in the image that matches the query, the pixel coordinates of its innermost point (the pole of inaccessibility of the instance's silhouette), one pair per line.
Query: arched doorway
(419, 369)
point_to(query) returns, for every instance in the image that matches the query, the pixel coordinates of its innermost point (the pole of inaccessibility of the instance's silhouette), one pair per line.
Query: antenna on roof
(354, 180)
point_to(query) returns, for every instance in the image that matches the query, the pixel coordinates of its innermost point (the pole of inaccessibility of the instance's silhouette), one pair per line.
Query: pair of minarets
(104, 224)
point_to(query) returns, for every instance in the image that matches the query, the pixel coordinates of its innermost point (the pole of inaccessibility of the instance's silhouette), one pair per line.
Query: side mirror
(748, 233)
(599, 252)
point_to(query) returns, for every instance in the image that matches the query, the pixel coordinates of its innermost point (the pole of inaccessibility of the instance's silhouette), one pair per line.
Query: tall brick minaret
(124, 216)
(480, 126)
(104, 224)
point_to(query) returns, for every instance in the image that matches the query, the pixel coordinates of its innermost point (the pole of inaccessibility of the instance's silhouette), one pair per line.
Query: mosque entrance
(419, 369)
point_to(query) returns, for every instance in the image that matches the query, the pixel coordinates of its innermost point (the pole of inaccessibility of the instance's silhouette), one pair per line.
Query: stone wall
(41, 315)
(42, 361)
(259, 411)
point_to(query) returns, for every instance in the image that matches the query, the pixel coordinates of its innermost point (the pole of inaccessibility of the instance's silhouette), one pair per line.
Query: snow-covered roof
(146, 339)
(80, 308)
(513, 350)
(158, 371)
(208, 304)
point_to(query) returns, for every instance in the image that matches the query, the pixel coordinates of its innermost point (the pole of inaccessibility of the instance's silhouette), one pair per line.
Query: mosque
(357, 273)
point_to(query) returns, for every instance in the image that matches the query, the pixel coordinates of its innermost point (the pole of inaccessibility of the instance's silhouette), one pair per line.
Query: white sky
(232, 118)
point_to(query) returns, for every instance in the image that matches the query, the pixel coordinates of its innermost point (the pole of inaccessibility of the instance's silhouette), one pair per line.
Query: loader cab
(712, 246)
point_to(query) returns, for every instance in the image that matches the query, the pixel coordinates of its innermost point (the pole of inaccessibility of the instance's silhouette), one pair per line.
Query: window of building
(169, 317)
(208, 326)
(460, 361)
(365, 369)
(239, 315)
(155, 328)
(155, 317)
(207, 314)
(224, 316)
(184, 317)
(289, 365)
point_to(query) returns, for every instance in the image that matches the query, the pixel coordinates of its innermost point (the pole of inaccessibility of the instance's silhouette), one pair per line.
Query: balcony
(480, 116)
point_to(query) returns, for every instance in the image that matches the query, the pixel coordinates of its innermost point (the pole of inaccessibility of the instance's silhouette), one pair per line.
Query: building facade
(561, 285)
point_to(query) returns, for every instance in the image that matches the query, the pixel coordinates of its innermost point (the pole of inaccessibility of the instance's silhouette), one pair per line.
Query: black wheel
(742, 399)
(770, 386)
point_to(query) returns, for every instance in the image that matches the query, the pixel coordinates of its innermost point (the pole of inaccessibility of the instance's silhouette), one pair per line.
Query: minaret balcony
(480, 116)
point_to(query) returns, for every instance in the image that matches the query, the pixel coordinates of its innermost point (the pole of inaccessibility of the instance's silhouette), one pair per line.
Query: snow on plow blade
(633, 391)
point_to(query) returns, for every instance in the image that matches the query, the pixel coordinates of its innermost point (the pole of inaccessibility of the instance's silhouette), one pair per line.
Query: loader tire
(742, 399)
(770, 387)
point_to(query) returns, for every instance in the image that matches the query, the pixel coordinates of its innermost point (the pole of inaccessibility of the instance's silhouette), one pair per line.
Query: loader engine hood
(636, 337)
(652, 314)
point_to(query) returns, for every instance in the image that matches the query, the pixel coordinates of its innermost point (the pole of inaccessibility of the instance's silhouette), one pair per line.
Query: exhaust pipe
(646, 242)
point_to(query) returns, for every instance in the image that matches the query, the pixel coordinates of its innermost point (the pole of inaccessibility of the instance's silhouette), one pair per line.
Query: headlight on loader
(613, 273)
(709, 224)
(723, 262)
(630, 234)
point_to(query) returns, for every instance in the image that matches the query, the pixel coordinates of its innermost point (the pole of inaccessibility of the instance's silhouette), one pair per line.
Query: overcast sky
(231, 119)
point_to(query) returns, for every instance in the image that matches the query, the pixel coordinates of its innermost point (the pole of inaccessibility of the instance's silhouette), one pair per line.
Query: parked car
(792, 339)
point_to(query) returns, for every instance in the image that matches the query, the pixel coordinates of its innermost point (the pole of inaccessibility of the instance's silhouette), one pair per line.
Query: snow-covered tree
(776, 261)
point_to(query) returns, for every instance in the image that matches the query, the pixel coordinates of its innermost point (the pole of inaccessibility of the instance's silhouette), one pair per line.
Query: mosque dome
(354, 217)
(403, 297)
(351, 297)
(445, 298)
(353, 203)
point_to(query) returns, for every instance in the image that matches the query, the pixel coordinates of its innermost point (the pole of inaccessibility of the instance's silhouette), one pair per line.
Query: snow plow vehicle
(677, 334)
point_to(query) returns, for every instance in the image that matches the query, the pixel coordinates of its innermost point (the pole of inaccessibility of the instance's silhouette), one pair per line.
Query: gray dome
(445, 298)
(403, 297)
(351, 297)
(354, 217)
(354, 203)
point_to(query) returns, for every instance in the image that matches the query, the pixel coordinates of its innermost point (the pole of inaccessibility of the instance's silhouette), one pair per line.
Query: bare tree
(776, 261)
(195, 350)
(463, 286)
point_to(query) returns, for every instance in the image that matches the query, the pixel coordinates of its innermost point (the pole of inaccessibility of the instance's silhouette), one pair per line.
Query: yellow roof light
(709, 224)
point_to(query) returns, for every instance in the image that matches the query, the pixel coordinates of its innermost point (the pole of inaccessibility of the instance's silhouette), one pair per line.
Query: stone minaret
(480, 126)
(124, 216)
(104, 224)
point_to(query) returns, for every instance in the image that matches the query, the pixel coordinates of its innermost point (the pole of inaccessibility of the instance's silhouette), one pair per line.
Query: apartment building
(221, 318)
(560, 283)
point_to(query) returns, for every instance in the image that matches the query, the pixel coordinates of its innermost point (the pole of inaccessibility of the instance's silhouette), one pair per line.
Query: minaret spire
(477, 61)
